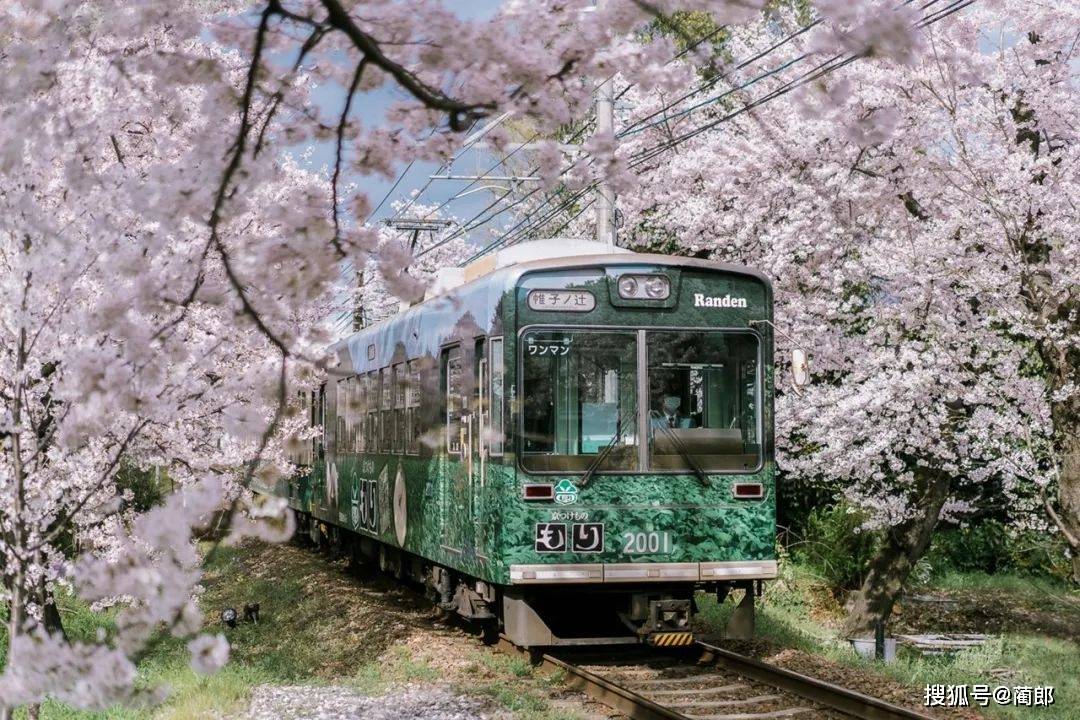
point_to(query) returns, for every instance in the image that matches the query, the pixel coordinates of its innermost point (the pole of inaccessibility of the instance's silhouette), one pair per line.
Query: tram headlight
(644, 287)
(657, 287)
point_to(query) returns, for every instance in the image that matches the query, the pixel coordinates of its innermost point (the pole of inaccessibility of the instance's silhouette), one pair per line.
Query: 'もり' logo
(587, 537)
(565, 493)
(550, 537)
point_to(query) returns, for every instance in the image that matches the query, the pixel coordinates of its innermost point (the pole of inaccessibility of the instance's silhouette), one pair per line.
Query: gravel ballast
(305, 702)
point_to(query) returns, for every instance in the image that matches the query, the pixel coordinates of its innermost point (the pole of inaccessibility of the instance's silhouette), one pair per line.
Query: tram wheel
(489, 632)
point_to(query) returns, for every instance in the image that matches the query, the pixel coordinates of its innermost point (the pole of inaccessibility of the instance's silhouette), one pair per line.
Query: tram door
(466, 523)
(478, 447)
(455, 481)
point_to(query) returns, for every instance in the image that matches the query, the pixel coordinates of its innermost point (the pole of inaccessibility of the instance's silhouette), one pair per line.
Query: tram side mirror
(800, 370)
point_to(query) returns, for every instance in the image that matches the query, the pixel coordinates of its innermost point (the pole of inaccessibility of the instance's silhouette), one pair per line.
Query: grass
(512, 683)
(798, 612)
(297, 641)
(317, 626)
(320, 626)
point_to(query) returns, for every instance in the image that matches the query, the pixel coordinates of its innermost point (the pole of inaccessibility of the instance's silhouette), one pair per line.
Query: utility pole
(605, 124)
(358, 303)
(605, 196)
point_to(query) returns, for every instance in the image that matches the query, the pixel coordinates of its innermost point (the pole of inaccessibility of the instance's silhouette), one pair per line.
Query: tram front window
(703, 401)
(578, 393)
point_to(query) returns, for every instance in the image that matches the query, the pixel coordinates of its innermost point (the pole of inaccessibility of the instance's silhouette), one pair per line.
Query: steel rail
(625, 701)
(822, 692)
(826, 695)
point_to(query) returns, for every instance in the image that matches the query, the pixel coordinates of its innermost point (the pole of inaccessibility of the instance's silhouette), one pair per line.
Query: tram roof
(468, 309)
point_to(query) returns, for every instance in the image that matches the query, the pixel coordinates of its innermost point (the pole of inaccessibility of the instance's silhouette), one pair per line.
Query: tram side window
(299, 450)
(399, 408)
(579, 400)
(479, 404)
(373, 411)
(318, 419)
(387, 411)
(412, 405)
(360, 429)
(704, 400)
(342, 435)
(498, 431)
(451, 382)
(356, 413)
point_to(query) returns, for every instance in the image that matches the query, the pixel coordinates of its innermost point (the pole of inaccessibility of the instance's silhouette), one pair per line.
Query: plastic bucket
(864, 647)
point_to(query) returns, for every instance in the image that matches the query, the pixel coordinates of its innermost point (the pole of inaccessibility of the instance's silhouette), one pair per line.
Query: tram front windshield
(581, 401)
(703, 401)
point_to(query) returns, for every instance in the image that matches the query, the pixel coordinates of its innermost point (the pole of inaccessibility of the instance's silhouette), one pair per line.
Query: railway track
(710, 683)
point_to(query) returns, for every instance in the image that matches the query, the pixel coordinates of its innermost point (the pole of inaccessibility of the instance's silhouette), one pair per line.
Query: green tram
(563, 447)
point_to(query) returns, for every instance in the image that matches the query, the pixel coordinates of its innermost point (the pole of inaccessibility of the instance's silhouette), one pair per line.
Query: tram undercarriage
(547, 615)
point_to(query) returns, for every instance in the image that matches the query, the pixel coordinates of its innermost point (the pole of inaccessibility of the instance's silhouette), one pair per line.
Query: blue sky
(370, 109)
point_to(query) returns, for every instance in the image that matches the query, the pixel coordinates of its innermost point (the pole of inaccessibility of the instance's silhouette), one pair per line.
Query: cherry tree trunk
(1066, 416)
(901, 549)
(1061, 368)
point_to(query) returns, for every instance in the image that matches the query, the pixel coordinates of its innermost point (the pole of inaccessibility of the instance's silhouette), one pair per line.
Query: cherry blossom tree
(918, 216)
(169, 271)
(120, 339)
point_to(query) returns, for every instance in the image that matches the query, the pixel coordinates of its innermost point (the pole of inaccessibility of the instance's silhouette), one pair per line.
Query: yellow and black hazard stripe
(671, 639)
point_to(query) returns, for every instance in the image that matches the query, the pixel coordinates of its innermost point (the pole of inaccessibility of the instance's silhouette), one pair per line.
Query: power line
(818, 71)
(814, 73)
(471, 224)
(547, 200)
(713, 82)
(389, 192)
(635, 127)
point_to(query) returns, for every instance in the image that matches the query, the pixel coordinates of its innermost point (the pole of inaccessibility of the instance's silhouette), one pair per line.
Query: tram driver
(669, 414)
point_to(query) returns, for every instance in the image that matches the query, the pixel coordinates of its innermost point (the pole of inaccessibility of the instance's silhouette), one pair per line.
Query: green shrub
(796, 500)
(988, 546)
(979, 547)
(835, 547)
(148, 486)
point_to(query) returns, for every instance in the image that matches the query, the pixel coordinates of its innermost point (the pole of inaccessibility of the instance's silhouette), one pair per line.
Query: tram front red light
(538, 491)
(748, 491)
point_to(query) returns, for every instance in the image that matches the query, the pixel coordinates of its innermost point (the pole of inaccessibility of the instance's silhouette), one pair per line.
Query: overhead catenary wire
(510, 236)
(636, 126)
(547, 201)
(834, 63)
(509, 233)
(400, 177)
(713, 82)
(471, 224)
(530, 223)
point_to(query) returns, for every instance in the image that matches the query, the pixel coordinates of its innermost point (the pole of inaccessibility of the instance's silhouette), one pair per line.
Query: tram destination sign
(564, 300)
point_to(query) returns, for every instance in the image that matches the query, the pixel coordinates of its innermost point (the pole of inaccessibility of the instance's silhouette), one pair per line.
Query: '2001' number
(655, 542)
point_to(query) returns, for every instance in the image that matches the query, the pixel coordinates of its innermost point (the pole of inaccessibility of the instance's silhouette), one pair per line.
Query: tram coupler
(664, 621)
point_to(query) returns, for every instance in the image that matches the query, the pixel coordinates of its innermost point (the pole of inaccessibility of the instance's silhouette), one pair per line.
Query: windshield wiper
(602, 455)
(681, 447)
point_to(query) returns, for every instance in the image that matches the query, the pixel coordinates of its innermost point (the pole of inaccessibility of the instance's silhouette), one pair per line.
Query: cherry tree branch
(338, 151)
(461, 114)
(225, 186)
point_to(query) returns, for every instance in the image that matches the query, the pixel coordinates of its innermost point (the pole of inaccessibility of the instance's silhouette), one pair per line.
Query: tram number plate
(655, 542)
